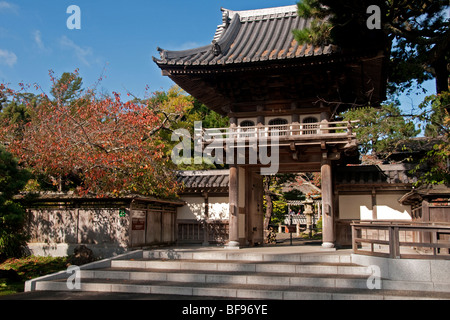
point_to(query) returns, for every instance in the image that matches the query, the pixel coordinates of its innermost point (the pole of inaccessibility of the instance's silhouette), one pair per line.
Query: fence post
(354, 244)
(394, 244)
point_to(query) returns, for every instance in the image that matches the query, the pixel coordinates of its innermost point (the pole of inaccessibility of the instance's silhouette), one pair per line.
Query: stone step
(243, 256)
(278, 292)
(251, 278)
(231, 274)
(242, 266)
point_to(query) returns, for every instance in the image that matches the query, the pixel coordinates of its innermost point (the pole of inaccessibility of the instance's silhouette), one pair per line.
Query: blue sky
(119, 37)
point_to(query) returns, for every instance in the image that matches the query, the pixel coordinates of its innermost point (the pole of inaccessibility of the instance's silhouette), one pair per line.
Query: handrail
(281, 130)
(433, 239)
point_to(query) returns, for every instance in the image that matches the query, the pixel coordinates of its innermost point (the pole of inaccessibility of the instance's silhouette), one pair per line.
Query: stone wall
(57, 223)
(58, 231)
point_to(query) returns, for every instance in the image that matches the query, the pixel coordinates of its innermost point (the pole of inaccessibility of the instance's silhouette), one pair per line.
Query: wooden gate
(153, 224)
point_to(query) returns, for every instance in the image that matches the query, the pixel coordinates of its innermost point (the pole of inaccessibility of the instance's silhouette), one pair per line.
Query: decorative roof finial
(216, 48)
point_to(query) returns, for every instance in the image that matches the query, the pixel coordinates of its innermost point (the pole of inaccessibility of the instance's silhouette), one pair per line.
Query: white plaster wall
(194, 208)
(388, 208)
(355, 207)
(219, 208)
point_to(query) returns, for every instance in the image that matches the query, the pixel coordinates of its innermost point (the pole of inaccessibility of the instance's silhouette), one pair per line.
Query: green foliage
(28, 268)
(279, 210)
(319, 225)
(12, 215)
(435, 114)
(317, 33)
(339, 22)
(437, 160)
(414, 34)
(381, 130)
(274, 203)
(67, 88)
(194, 111)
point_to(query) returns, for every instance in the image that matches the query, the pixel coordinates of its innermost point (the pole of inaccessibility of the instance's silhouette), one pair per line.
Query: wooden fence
(193, 231)
(407, 240)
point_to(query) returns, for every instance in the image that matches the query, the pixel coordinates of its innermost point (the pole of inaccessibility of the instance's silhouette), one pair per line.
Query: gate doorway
(153, 224)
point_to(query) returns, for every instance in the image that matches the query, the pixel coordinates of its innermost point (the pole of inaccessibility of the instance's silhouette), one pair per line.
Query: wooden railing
(193, 231)
(281, 131)
(298, 219)
(407, 240)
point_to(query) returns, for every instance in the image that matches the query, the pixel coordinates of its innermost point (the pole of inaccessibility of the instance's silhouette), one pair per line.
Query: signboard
(138, 213)
(291, 229)
(138, 224)
(138, 219)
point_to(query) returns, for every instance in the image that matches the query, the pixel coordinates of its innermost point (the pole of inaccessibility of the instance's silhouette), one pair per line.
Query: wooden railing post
(323, 127)
(354, 236)
(394, 242)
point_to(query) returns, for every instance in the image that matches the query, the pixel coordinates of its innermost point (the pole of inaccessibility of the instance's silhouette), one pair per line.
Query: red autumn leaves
(107, 146)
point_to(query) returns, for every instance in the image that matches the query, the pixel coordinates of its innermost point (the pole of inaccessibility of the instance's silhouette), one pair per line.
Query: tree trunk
(269, 203)
(442, 75)
(59, 184)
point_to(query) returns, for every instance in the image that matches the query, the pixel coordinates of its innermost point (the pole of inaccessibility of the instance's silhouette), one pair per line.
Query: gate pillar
(328, 233)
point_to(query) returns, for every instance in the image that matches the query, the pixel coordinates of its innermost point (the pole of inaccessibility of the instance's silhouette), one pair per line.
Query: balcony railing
(283, 132)
(409, 240)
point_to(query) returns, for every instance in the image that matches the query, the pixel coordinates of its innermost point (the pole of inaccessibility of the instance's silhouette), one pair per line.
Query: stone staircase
(235, 274)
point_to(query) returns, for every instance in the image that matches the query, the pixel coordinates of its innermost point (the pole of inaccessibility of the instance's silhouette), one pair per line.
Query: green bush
(12, 215)
(319, 225)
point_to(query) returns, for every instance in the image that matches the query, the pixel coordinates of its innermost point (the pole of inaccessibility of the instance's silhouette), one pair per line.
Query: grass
(29, 268)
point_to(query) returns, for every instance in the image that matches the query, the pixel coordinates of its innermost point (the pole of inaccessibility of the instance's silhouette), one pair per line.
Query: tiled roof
(430, 192)
(204, 181)
(249, 36)
(375, 174)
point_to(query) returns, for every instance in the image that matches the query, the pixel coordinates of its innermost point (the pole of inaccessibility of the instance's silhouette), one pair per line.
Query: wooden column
(327, 205)
(234, 209)
(206, 218)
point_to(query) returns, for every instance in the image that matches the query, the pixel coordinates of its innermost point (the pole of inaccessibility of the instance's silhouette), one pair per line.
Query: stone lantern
(309, 212)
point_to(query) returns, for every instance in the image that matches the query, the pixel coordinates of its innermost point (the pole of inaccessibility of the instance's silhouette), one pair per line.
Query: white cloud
(7, 6)
(187, 45)
(8, 58)
(83, 54)
(38, 39)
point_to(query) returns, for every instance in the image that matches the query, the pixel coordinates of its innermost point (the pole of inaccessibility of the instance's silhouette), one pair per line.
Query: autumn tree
(98, 145)
(194, 111)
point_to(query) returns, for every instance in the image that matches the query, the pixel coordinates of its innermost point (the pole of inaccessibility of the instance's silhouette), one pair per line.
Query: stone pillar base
(232, 245)
(328, 245)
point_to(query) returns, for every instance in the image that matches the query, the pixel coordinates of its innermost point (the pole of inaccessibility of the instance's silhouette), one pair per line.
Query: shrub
(12, 215)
